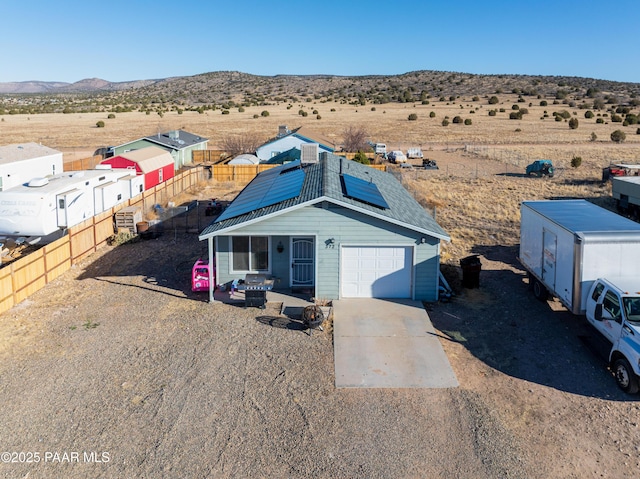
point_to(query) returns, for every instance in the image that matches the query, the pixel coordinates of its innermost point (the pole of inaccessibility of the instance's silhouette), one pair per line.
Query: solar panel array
(268, 188)
(363, 190)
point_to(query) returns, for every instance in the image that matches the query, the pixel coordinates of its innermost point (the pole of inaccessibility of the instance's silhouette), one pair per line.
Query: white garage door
(375, 272)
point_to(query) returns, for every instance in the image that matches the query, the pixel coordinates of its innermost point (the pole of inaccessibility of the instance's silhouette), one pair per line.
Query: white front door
(375, 272)
(302, 261)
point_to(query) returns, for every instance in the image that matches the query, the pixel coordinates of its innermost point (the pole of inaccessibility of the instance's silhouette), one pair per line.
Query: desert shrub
(264, 113)
(515, 107)
(318, 117)
(373, 108)
(413, 117)
(475, 98)
(558, 117)
(618, 136)
(111, 116)
(593, 136)
(302, 113)
(637, 129)
(100, 124)
(518, 130)
(432, 114)
(315, 112)
(457, 119)
(241, 110)
(515, 115)
(225, 112)
(573, 123)
(631, 119)
(493, 100)
(576, 161)
(543, 103)
(616, 118)
(492, 113)
(445, 122)
(467, 121)
(502, 110)
(600, 120)
(524, 111)
(361, 157)
(588, 114)
(562, 114)
(256, 116)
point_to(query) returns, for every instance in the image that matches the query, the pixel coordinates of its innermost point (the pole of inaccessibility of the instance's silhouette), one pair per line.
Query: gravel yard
(124, 372)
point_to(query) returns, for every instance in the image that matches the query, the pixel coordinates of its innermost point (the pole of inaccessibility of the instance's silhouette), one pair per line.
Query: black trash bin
(471, 267)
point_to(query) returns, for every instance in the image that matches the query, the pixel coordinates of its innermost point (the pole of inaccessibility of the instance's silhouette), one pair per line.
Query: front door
(302, 261)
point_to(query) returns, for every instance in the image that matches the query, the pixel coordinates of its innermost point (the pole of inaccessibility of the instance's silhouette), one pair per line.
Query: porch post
(212, 285)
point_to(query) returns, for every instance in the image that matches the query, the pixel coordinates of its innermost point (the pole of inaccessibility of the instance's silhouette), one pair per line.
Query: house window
(250, 253)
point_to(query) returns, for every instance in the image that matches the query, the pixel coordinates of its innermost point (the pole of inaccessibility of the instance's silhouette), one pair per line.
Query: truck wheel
(539, 291)
(625, 377)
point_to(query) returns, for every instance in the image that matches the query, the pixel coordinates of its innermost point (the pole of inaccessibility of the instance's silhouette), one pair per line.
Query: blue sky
(120, 40)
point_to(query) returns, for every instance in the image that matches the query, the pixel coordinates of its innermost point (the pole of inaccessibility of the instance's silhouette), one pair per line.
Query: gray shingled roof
(322, 182)
(176, 139)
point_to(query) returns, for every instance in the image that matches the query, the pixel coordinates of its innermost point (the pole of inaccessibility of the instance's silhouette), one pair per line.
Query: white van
(380, 149)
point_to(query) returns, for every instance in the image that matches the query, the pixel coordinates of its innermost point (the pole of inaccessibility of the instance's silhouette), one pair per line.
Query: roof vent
(37, 182)
(283, 130)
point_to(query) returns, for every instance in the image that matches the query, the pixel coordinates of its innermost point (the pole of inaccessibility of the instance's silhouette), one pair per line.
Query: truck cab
(613, 308)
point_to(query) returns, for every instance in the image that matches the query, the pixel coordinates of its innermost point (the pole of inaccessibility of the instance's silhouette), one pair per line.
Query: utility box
(128, 218)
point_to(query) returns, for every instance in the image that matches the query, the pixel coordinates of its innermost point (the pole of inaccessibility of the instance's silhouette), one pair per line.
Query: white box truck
(589, 258)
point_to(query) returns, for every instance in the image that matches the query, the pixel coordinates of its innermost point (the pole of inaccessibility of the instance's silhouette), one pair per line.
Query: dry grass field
(476, 191)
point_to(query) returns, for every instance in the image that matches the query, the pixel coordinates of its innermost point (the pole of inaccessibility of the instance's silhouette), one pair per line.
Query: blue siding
(346, 227)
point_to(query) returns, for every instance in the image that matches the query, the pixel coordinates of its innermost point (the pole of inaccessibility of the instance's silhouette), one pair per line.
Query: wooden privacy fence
(246, 173)
(25, 276)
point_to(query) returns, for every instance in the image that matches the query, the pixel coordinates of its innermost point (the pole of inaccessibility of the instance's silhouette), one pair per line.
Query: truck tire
(539, 291)
(625, 377)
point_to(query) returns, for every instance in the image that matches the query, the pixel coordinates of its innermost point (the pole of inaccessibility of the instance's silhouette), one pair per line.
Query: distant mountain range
(86, 85)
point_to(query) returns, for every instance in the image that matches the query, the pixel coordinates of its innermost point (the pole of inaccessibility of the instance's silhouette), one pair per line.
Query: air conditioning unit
(309, 153)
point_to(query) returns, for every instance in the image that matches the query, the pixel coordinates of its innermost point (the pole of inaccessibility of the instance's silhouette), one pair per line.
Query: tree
(355, 139)
(242, 143)
(573, 123)
(618, 136)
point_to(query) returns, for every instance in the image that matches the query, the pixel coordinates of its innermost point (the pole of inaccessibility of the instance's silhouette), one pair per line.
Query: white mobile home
(45, 206)
(21, 162)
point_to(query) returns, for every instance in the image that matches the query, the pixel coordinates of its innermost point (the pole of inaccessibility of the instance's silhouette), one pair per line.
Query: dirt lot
(117, 358)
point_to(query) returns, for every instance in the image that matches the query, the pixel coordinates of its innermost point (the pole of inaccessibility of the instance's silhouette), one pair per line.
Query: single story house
(336, 228)
(20, 163)
(291, 139)
(155, 164)
(178, 143)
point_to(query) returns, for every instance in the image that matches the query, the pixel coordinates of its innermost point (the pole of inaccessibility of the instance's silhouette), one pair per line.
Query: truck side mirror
(597, 314)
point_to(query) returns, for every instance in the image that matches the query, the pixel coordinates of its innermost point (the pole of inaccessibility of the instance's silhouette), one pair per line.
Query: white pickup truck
(589, 258)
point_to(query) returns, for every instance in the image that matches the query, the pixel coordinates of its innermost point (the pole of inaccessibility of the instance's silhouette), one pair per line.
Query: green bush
(413, 117)
(318, 117)
(256, 116)
(616, 118)
(588, 114)
(576, 161)
(225, 112)
(467, 121)
(100, 124)
(543, 103)
(515, 115)
(264, 113)
(600, 120)
(493, 100)
(361, 157)
(618, 136)
(631, 119)
(111, 116)
(457, 119)
(515, 107)
(445, 122)
(241, 110)
(558, 117)
(573, 123)
(492, 113)
(593, 137)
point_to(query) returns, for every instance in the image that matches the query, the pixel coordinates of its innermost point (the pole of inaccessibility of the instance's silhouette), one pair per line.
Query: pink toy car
(200, 276)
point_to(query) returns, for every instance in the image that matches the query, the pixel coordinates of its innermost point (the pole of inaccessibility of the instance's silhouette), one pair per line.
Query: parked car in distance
(380, 149)
(541, 168)
(396, 156)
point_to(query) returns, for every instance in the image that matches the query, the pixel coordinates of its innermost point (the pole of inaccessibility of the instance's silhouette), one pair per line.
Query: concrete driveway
(387, 344)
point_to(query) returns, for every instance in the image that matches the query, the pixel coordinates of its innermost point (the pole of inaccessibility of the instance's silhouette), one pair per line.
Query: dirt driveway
(121, 367)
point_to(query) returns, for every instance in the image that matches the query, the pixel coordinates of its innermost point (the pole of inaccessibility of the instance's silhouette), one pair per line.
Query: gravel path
(119, 361)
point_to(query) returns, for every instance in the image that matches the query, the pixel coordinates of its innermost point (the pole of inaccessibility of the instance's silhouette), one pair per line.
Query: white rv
(45, 206)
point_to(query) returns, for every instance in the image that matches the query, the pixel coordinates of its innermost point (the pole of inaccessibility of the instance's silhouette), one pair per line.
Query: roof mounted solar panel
(363, 190)
(268, 188)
